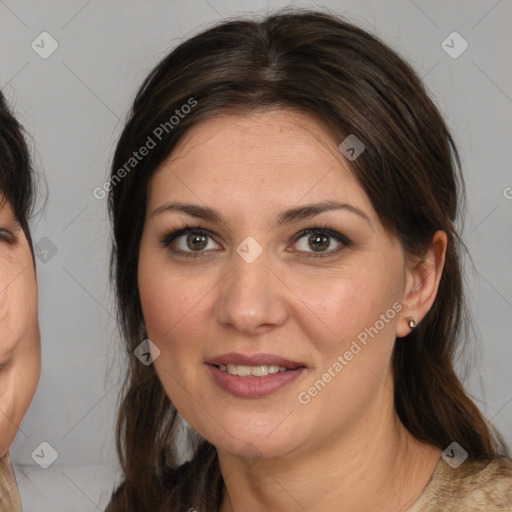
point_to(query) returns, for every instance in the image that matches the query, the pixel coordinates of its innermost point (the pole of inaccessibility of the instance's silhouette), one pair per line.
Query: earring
(411, 321)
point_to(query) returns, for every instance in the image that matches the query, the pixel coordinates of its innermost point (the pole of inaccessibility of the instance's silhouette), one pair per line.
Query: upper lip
(253, 360)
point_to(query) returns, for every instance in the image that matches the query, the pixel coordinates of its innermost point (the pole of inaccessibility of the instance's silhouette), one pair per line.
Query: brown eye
(319, 242)
(189, 241)
(196, 241)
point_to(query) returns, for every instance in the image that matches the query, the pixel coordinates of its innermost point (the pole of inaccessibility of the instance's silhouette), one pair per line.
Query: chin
(249, 441)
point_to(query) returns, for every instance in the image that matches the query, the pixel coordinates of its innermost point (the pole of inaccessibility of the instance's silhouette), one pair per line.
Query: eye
(318, 242)
(195, 241)
(189, 241)
(6, 235)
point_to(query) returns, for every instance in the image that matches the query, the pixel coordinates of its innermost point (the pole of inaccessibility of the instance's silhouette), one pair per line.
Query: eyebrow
(285, 217)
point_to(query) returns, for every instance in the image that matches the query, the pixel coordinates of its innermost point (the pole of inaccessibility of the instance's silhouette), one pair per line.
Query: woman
(283, 199)
(20, 355)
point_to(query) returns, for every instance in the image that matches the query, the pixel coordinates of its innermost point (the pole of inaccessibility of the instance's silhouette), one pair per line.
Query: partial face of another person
(260, 281)
(19, 339)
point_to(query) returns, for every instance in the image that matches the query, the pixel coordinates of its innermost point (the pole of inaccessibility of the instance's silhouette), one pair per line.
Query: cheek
(18, 306)
(166, 302)
(176, 311)
(5, 295)
(175, 319)
(335, 309)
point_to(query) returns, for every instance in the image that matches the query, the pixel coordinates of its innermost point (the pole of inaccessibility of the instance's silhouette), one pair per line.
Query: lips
(239, 375)
(254, 387)
(254, 360)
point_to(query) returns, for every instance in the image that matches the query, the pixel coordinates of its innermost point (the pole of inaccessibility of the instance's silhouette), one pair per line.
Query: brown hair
(351, 82)
(16, 174)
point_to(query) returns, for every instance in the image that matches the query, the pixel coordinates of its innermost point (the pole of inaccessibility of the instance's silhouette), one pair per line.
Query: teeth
(261, 370)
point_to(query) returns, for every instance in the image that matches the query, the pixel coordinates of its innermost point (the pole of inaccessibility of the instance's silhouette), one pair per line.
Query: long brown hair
(347, 79)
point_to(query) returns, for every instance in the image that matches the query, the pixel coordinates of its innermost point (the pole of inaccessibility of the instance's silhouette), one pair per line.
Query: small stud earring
(411, 321)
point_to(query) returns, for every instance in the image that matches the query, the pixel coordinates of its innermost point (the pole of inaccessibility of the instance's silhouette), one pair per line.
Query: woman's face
(255, 283)
(20, 355)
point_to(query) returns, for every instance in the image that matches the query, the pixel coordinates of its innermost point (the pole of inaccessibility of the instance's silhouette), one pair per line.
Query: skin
(20, 350)
(347, 443)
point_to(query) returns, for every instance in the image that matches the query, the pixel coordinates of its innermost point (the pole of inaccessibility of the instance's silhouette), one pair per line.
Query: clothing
(9, 496)
(475, 486)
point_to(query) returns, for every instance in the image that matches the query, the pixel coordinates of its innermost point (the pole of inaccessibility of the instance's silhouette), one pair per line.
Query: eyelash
(186, 229)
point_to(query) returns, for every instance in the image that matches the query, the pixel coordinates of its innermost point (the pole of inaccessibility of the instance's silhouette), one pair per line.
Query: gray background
(73, 104)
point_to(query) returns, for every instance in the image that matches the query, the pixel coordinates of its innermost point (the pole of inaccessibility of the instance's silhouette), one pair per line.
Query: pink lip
(254, 387)
(253, 360)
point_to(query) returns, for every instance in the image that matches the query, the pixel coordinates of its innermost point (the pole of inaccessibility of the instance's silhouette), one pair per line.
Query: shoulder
(473, 486)
(488, 482)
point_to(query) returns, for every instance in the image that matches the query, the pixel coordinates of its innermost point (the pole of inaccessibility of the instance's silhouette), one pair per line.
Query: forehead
(281, 155)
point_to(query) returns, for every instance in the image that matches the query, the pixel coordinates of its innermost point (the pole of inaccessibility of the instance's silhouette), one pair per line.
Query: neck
(378, 465)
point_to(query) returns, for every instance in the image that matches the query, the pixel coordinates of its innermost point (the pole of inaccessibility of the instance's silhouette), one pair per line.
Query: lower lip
(254, 387)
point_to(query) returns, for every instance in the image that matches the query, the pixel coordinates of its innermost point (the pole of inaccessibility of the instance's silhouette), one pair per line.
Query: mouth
(253, 376)
(261, 370)
(255, 365)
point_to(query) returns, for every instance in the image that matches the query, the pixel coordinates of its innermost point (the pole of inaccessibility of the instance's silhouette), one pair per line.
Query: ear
(422, 277)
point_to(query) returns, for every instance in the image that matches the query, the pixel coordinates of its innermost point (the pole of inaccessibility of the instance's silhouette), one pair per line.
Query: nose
(251, 297)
